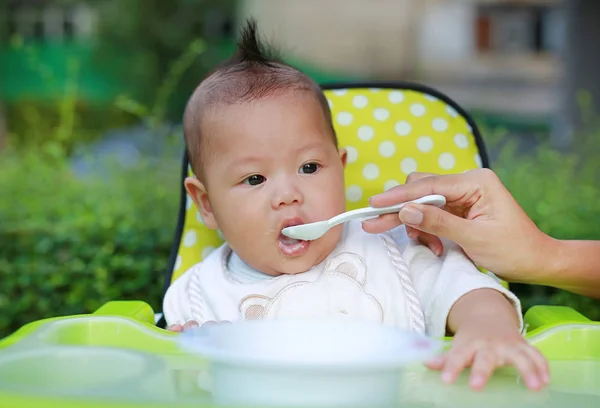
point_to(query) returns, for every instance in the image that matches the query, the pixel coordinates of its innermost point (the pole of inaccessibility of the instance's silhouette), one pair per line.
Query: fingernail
(546, 378)
(477, 381)
(436, 360)
(447, 377)
(410, 216)
(533, 382)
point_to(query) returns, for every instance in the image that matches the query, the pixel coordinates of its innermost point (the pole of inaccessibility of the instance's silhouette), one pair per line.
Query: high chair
(389, 131)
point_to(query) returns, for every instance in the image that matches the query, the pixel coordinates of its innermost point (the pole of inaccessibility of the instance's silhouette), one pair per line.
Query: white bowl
(307, 362)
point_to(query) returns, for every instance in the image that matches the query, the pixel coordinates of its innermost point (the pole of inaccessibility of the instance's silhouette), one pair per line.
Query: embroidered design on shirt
(338, 291)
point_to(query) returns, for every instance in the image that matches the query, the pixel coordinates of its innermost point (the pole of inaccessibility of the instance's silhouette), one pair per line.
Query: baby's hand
(484, 350)
(190, 324)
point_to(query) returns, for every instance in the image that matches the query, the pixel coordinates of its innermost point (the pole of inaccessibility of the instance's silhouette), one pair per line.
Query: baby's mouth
(285, 240)
(291, 246)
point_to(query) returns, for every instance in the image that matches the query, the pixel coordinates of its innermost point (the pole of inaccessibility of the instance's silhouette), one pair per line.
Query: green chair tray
(117, 357)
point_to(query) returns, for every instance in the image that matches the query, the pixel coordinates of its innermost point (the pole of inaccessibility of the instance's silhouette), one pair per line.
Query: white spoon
(314, 230)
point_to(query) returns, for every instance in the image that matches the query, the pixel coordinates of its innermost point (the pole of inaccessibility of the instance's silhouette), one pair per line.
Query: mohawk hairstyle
(255, 71)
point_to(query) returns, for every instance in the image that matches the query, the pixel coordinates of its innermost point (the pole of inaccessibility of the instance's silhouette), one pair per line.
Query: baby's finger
(541, 363)
(456, 362)
(175, 328)
(436, 363)
(525, 365)
(189, 324)
(483, 366)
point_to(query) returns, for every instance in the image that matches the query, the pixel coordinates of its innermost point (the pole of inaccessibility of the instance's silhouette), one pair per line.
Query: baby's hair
(252, 73)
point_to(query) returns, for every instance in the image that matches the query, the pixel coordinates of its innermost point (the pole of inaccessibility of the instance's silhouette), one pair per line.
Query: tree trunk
(581, 76)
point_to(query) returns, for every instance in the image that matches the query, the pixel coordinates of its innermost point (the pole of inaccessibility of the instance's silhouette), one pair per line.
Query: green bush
(68, 245)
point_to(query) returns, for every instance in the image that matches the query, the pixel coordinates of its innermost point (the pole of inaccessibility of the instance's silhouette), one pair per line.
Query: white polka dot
(365, 133)
(430, 98)
(353, 193)
(206, 251)
(178, 263)
(446, 161)
(351, 154)
(345, 118)
(340, 92)
(424, 144)
(390, 184)
(360, 101)
(330, 103)
(417, 109)
(408, 165)
(461, 140)
(403, 128)
(381, 114)
(199, 218)
(387, 148)
(396, 97)
(439, 125)
(478, 160)
(470, 129)
(375, 89)
(190, 238)
(188, 202)
(370, 171)
(451, 111)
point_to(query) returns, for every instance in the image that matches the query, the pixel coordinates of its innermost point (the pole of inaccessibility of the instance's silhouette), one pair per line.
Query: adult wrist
(554, 268)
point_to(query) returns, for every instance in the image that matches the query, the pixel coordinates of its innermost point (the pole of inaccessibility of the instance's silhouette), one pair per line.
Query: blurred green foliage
(70, 244)
(150, 34)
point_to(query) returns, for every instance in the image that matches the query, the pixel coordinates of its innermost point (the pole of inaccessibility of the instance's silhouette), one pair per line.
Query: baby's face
(273, 163)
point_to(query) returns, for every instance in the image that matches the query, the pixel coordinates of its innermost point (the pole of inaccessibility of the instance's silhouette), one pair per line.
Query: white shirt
(386, 278)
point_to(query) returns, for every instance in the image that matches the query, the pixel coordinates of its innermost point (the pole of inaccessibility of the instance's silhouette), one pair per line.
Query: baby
(264, 153)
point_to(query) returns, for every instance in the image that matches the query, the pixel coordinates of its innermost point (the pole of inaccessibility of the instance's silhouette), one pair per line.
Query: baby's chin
(305, 262)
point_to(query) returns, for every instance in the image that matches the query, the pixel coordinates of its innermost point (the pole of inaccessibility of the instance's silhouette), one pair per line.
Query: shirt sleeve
(441, 281)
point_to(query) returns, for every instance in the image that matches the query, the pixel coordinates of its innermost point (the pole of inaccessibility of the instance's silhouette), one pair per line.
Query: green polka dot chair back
(389, 131)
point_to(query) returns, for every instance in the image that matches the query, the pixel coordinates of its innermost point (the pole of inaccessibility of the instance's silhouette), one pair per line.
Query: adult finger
(429, 240)
(436, 221)
(458, 189)
(381, 224)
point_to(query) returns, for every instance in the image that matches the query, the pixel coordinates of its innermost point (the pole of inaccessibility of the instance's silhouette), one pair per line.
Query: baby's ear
(343, 156)
(348, 264)
(197, 191)
(253, 307)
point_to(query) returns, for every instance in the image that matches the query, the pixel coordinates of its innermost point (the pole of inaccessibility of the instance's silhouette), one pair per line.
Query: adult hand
(480, 215)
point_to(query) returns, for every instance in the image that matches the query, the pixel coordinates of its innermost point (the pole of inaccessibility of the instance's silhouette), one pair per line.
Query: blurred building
(498, 55)
(58, 32)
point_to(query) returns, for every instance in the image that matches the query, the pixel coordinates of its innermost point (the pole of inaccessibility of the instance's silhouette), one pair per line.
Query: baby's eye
(255, 180)
(309, 168)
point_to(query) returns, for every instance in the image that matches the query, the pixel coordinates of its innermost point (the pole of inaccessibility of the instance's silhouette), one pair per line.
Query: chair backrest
(389, 131)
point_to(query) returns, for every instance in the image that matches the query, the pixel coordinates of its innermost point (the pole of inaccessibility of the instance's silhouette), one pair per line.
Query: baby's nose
(288, 194)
